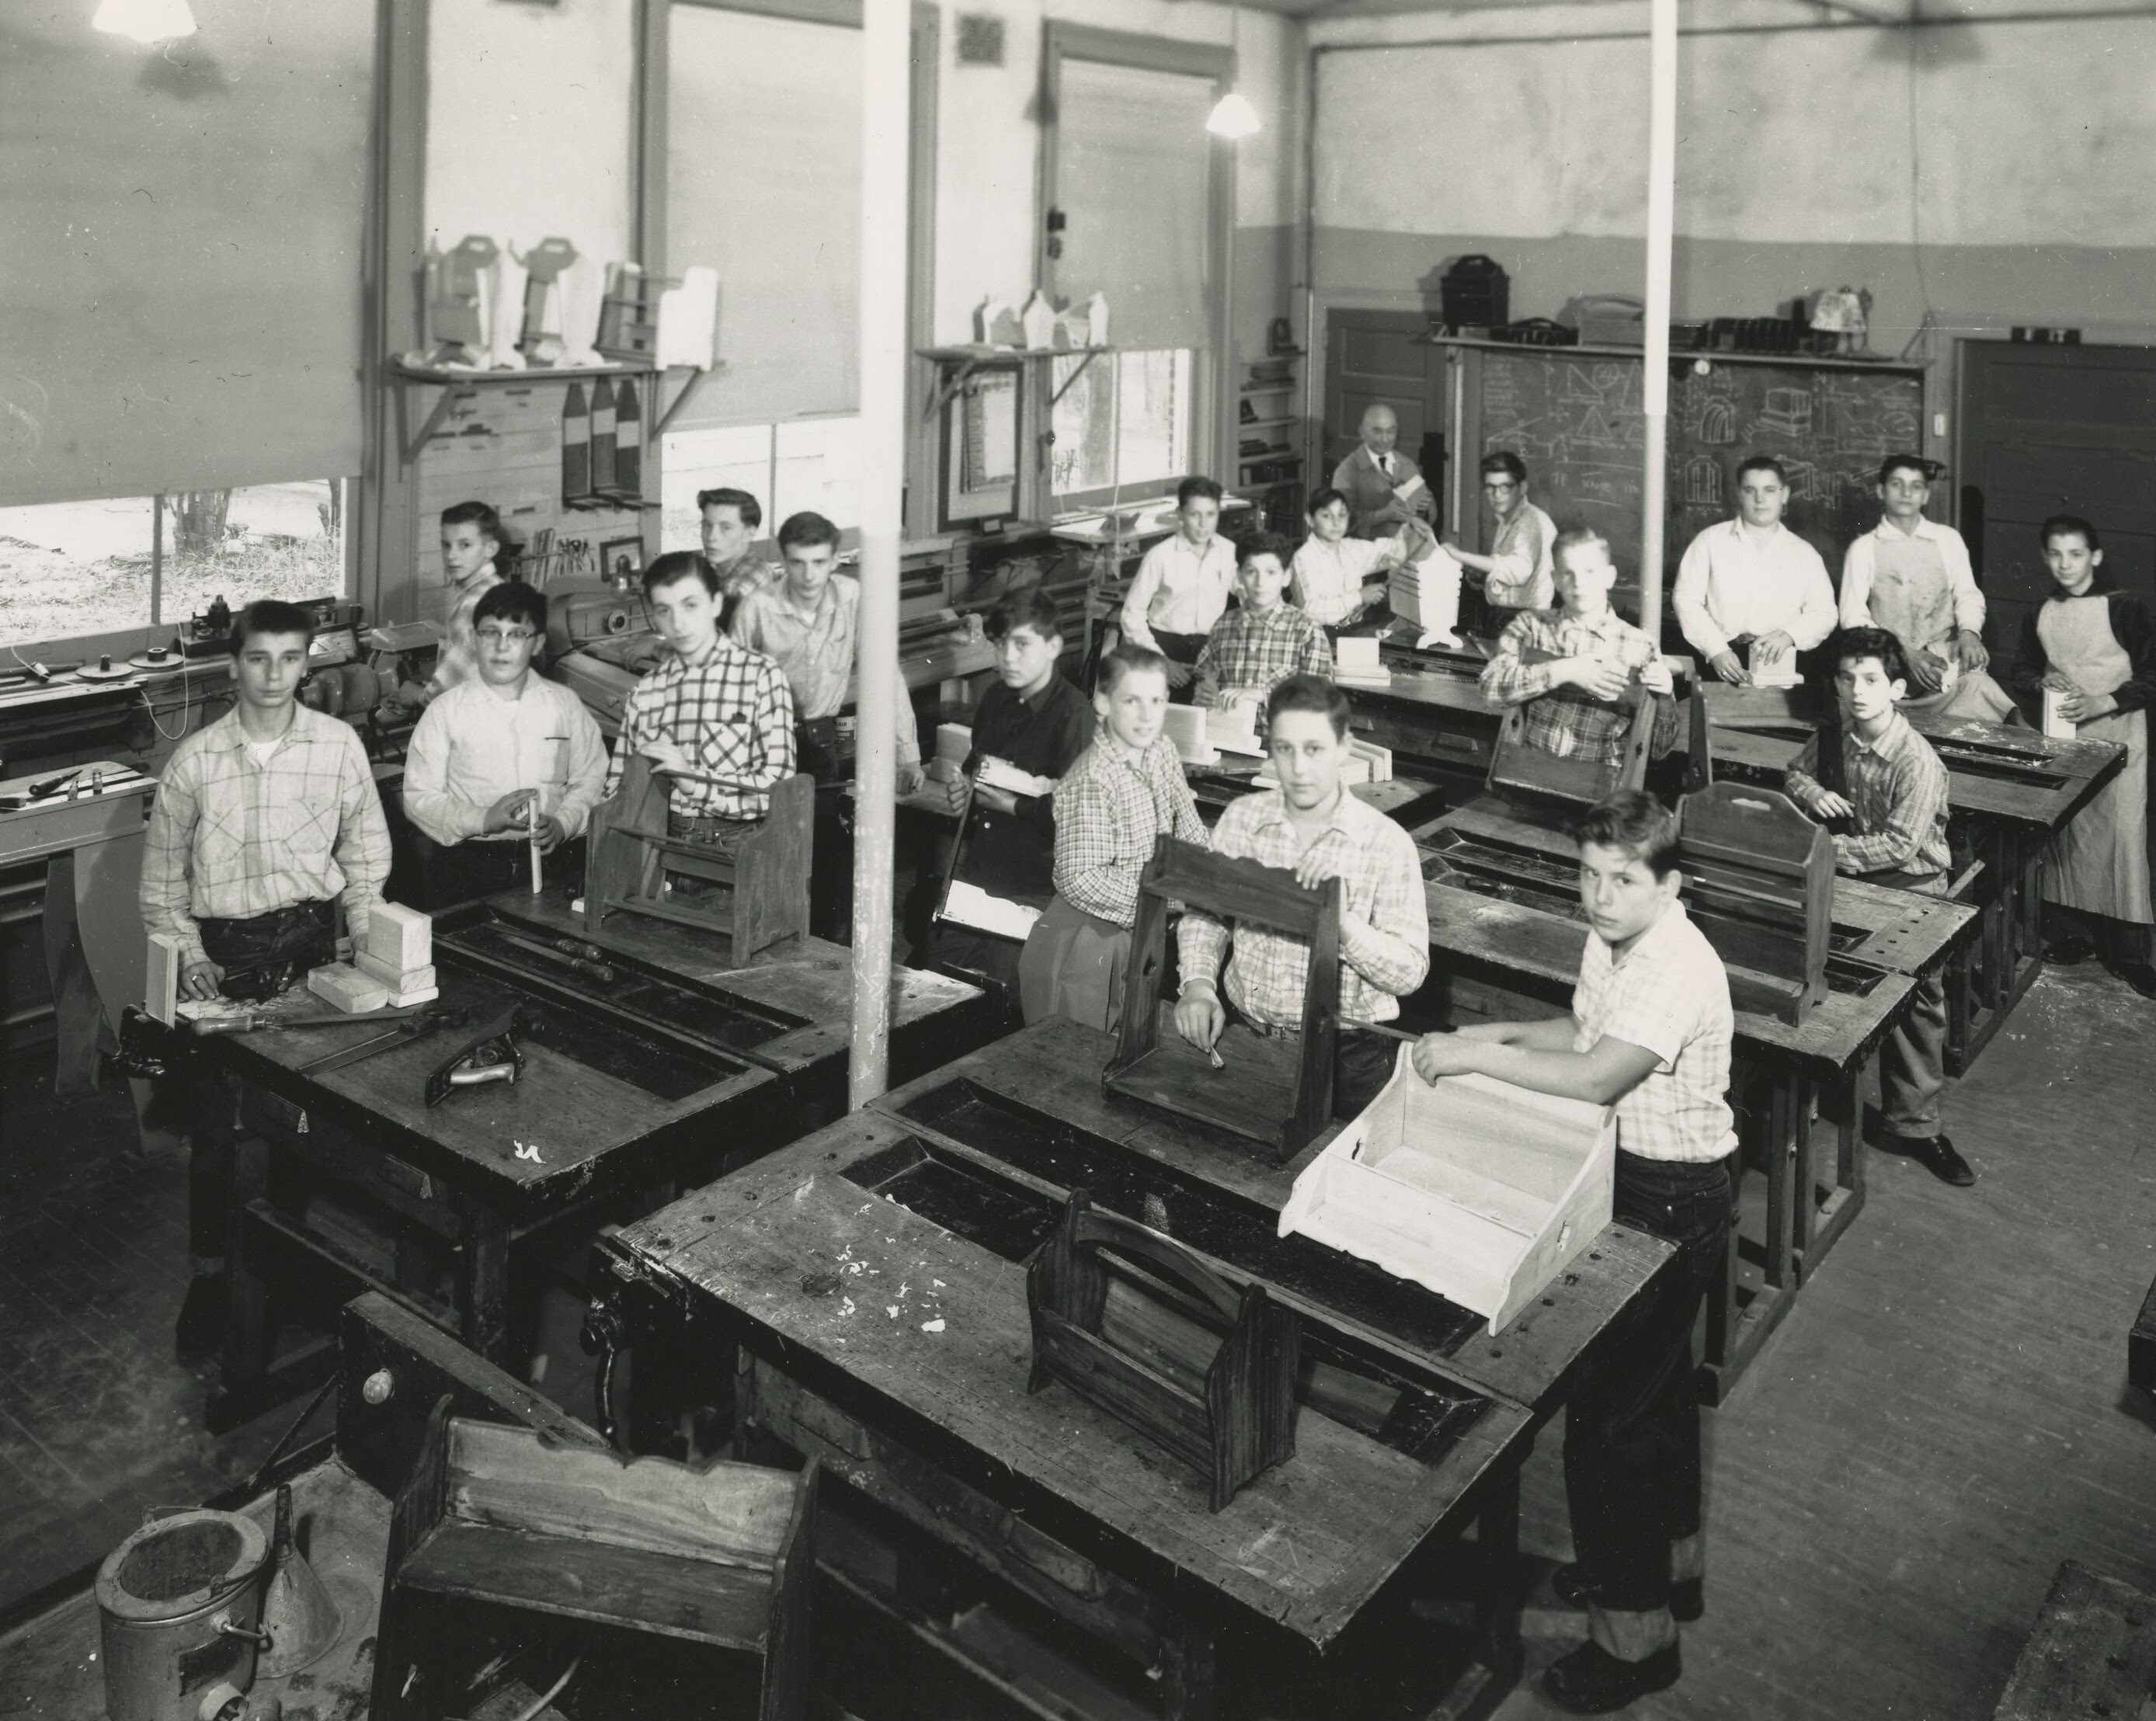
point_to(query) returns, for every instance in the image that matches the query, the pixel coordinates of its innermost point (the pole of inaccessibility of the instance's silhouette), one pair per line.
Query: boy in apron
(2095, 644)
(1911, 577)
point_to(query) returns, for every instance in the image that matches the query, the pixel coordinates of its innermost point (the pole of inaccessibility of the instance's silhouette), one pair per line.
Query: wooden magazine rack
(1189, 1364)
(1758, 881)
(766, 878)
(1273, 1089)
(572, 1536)
(1517, 765)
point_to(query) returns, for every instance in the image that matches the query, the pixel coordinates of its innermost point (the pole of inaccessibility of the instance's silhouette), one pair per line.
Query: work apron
(2099, 863)
(1912, 599)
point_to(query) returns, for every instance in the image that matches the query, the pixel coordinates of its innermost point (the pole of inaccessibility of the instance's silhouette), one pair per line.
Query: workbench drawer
(339, 1155)
(962, 1518)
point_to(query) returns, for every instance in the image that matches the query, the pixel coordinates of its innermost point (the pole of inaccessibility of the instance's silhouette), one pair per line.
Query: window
(802, 463)
(74, 570)
(1122, 422)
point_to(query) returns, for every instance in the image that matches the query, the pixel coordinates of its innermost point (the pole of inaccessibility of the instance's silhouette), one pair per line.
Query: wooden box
(1211, 1376)
(1758, 881)
(1474, 1189)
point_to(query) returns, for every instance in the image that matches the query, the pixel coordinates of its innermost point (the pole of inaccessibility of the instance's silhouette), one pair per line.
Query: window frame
(1212, 371)
(649, 229)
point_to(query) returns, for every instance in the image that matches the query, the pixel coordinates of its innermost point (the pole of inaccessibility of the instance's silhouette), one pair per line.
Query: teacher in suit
(1371, 477)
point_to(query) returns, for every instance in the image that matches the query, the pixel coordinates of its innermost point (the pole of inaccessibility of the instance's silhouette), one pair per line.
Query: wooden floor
(1944, 1417)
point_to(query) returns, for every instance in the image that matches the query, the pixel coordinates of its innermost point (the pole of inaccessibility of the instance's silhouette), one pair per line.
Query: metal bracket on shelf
(409, 447)
(1091, 353)
(696, 380)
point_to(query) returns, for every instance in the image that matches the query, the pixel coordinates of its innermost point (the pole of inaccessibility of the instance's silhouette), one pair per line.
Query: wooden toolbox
(1474, 1188)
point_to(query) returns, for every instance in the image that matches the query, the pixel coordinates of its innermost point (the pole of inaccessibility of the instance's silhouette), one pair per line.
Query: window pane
(1155, 410)
(725, 457)
(820, 468)
(269, 540)
(71, 568)
(1149, 394)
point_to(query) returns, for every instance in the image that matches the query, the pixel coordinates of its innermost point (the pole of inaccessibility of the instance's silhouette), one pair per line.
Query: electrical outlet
(1938, 424)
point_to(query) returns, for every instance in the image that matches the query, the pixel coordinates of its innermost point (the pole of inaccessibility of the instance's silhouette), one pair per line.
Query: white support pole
(1655, 394)
(887, 54)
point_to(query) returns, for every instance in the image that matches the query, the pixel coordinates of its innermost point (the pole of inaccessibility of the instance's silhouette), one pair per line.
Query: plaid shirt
(1670, 994)
(1384, 920)
(730, 712)
(1899, 790)
(230, 838)
(1564, 720)
(1110, 810)
(1246, 648)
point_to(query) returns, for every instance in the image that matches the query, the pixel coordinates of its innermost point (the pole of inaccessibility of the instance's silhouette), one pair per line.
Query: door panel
(1375, 358)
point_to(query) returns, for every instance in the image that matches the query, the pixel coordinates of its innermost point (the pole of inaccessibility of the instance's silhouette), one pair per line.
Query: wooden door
(2051, 430)
(1378, 358)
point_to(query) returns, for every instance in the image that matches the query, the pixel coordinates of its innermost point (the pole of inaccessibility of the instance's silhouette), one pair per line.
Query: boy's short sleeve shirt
(1670, 994)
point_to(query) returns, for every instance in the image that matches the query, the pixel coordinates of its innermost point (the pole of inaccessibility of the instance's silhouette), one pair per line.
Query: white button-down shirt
(1859, 565)
(1734, 583)
(473, 747)
(1326, 579)
(1180, 589)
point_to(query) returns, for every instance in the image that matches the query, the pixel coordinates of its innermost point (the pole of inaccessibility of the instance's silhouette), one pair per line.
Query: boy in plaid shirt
(1253, 649)
(1313, 825)
(1888, 809)
(1124, 793)
(1650, 1034)
(1569, 666)
(714, 716)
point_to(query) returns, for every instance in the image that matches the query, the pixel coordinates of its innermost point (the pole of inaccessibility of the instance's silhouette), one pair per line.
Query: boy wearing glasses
(498, 756)
(1517, 574)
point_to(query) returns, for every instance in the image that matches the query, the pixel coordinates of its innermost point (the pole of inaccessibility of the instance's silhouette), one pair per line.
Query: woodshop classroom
(1077, 860)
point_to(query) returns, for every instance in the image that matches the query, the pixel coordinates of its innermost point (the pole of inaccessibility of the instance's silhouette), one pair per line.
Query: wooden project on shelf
(1211, 1376)
(1274, 1089)
(765, 881)
(1758, 880)
(724, 1558)
(1518, 766)
(1478, 1190)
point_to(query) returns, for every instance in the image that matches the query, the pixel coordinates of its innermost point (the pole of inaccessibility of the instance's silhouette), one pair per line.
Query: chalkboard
(1576, 419)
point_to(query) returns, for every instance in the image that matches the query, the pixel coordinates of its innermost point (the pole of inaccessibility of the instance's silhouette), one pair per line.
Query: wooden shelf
(1265, 424)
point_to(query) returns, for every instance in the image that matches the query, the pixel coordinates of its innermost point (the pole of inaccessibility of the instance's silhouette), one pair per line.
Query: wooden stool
(503, 1517)
(767, 877)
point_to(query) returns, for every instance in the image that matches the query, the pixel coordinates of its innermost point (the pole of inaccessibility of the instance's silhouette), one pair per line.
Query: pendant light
(148, 21)
(1233, 117)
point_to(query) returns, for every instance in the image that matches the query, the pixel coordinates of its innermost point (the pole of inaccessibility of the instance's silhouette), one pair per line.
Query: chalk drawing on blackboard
(1717, 423)
(1703, 481)
(1804, 481)
(1788, 412)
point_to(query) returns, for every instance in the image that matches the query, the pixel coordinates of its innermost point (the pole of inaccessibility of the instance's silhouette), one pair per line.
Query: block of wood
(343, 985)
(160, 988)
(400, 938)
(1472, 1188)
(396, 979)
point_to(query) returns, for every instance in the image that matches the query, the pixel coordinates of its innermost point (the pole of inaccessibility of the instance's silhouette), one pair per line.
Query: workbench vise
(1758, 881)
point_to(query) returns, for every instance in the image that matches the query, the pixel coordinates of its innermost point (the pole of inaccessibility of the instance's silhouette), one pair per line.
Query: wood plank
(704, 1603)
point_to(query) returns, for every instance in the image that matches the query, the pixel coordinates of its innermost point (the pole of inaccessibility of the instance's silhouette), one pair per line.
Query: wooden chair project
(766, 879)
(724, 1558)
(1518, 767)
(1211, 1376)
(1758, 880)
(1272, 1090)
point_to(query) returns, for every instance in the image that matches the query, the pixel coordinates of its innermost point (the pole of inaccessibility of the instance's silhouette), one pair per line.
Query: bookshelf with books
(1270, 437)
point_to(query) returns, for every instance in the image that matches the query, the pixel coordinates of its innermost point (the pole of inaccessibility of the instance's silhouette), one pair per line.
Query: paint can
(178, 1606)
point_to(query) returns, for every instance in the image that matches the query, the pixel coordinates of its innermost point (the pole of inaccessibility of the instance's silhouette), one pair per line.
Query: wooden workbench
(1497, 945)
(927, 1203)
(679, 1070)
(2010, 791)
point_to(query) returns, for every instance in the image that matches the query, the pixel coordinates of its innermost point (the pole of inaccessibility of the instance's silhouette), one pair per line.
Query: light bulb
(148, 21)
(1234, 118)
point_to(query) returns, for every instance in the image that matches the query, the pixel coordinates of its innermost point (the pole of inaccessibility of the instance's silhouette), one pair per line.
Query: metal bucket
(179, 1607)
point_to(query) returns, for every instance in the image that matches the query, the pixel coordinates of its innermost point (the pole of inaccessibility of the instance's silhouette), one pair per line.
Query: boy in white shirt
(1751, 582)
(1182, 586)
(497, 757)
(1334, 577)
(1911, 577)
